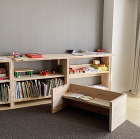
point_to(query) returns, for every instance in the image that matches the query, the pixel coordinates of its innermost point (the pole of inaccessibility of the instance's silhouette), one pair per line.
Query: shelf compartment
(32, 98)
(81, 75)
(37, 76)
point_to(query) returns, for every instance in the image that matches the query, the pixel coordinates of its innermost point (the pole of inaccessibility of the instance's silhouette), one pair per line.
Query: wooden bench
(105, 102)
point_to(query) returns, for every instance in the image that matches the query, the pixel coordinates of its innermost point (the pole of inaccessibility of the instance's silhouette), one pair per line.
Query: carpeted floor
(71, 123)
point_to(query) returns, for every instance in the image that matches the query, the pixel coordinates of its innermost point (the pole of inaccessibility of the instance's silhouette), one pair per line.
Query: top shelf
(60, 56)
(4, 59)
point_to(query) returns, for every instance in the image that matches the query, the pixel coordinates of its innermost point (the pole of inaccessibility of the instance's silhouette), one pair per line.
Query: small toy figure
(17, 55)
(71, 51)
(100, 67)
(100, 50)
(44, 72)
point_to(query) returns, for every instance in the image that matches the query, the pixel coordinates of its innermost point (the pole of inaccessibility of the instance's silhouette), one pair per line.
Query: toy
(23, 70)
(96, 61)
(17, 55)
(71, 71)
(33, 55)
(81, 70)
(100, 67)
(100, 50)
(44, 72)
(71, 51)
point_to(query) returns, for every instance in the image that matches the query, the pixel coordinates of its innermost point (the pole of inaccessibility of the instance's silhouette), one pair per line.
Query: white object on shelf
(99, 86)
(76, 95)
(90, 69)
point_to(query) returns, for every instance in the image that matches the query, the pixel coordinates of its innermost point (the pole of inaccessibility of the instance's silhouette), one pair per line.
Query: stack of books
(36, 88)
(4, 93)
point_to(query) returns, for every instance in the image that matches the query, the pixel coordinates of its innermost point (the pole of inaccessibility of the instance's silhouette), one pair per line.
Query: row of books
(36, 88)
(4, 93)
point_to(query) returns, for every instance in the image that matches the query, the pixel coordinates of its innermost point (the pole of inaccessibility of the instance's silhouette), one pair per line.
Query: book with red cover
(33, 55)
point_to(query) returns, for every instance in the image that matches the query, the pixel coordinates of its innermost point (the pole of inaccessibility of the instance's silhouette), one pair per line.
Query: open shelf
(4, 102)
(96, 101)
(32, 98)
(4, 81)
(37, 76)
(81, 75)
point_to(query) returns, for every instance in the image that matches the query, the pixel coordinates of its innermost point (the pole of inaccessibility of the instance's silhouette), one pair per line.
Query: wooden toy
(100, 50)
(23, 70)
(81, 70)
(100, 67)
(17, 55)
(33, 55)
(96, 61)
(71, 71)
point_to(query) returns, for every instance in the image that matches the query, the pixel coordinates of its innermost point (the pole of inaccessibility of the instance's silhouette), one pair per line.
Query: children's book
(0, 96)
(7, 92)
(20, 90)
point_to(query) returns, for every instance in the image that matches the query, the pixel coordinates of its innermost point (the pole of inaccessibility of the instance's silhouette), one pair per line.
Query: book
(7, 92)
(20, 91)
(39, 87)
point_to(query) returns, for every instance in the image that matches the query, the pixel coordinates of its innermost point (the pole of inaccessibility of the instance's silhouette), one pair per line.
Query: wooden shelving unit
(64, 61)
(8, 62)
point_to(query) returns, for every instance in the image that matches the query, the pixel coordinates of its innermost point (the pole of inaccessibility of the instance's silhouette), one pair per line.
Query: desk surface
(95, 101)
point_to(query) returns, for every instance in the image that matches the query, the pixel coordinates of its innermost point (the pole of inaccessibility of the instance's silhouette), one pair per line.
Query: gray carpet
(71, 123)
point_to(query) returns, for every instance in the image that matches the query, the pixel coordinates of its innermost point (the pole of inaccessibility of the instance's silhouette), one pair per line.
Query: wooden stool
(23, 70)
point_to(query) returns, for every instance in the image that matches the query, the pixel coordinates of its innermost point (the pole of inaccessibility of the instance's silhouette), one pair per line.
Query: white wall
(122, 43)
(50, 26)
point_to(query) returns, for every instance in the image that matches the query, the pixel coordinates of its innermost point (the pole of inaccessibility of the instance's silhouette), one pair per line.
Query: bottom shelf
(33, 98)
(8, 102)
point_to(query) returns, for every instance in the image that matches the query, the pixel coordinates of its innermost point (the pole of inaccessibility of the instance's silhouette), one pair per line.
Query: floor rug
(38, 122)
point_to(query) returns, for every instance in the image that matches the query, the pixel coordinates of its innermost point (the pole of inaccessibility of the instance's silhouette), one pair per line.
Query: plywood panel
(59, 103)
(65, 64)
(117, 112)
(89, 107)
(93, 92)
